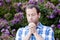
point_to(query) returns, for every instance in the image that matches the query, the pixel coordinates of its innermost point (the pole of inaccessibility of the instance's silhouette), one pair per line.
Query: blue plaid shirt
(44, 31)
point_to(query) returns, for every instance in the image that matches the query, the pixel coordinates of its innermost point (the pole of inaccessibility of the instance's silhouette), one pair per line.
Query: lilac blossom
(18, 9)
(55, 10)
(19, 4)
(3, 23)
(13, 30)
(50, 5)
(5, 31)
(32, 2)
(8, 1)
(58, 26)
(52, 16)
(17, 18)
(14, 21)
(1, 2)
(53, 26)
(58, 11)
(41, 1)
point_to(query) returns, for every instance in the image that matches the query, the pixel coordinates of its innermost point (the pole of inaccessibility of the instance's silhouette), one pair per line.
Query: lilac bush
(12, 16)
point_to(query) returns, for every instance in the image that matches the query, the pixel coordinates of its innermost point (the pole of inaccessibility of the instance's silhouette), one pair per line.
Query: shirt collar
(39, 25)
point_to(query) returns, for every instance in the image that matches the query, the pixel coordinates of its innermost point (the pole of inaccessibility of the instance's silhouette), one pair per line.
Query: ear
(39, 15)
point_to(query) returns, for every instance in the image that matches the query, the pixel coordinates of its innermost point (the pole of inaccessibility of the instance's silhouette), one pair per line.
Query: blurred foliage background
(12, 16)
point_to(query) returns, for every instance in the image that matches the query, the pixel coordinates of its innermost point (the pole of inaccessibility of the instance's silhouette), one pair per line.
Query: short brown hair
(33, 6)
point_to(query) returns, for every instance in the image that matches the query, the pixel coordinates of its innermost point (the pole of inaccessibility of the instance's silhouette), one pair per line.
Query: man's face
(32, 15)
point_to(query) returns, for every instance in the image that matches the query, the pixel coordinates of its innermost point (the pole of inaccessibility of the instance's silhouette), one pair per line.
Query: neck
(36, 23)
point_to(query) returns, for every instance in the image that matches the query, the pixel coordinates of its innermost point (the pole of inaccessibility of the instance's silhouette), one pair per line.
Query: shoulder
(20, 30)
(48, 30)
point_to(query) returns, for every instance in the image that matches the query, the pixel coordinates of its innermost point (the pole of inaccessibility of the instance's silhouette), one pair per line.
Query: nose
(30, 17)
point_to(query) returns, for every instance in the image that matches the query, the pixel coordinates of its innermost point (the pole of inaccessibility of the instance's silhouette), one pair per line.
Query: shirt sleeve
(49, 34)
(19, 34)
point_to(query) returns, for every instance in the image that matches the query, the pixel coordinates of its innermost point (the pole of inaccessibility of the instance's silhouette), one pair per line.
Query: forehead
(31, 10)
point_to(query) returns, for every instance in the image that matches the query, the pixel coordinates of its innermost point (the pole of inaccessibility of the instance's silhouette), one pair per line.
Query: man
(34, 30)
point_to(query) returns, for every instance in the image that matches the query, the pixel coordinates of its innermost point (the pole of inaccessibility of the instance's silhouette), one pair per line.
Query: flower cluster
(50, 5)
(17, 18)
(54, 12)
(1, 2)
(3, 23)
(5, 29)
(18, 6)
(12, 14)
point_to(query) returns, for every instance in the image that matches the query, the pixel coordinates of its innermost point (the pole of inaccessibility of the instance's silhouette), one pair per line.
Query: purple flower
(7, 31)
(58, 11)
(41, 1)
(13, 30)
(52, 16)
(1, 0)
(8, 27)
(55, 11)
(1, 3)
(14, 21)
(18, 15)
(3, 30)
(16, 5)
(50, 5)
(53, 26)
(8, 1)
(32, 2)
(58, 26)
(19, 4)
(17, 18)
(17, 10)
(46, 5)
(3, 23)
